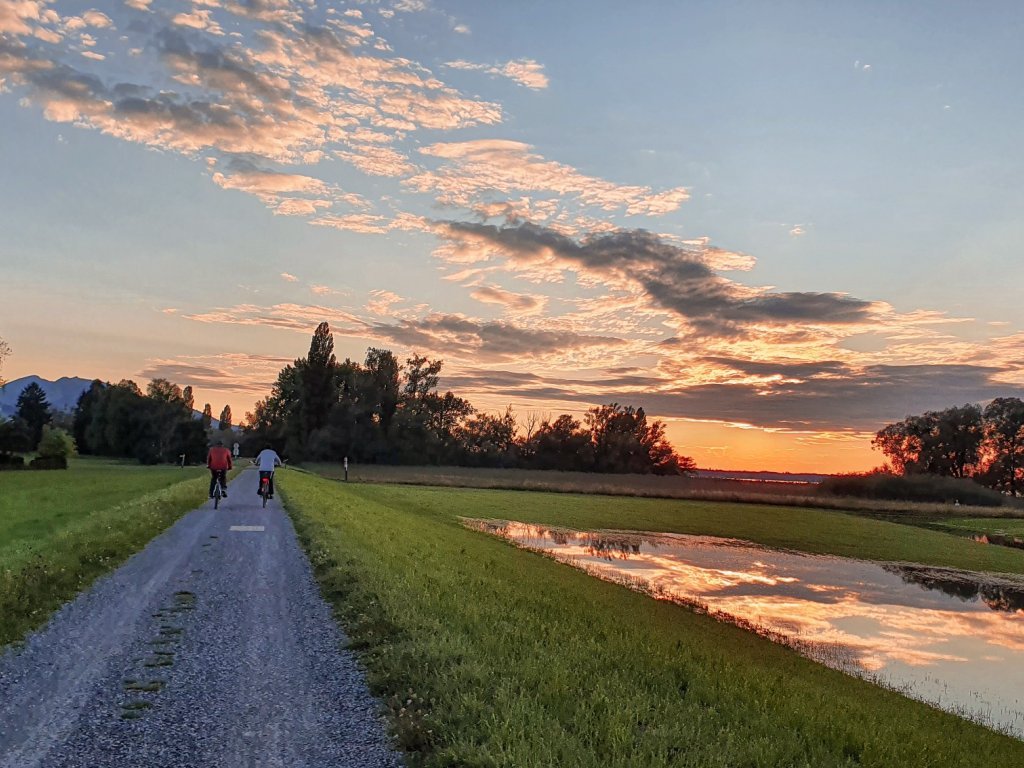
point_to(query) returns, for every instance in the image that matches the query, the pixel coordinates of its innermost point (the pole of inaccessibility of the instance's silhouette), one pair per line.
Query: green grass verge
(59, 530)
(986, 525)
(488, 655)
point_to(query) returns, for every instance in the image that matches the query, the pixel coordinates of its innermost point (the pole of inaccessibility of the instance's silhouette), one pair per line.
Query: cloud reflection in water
(951, 638)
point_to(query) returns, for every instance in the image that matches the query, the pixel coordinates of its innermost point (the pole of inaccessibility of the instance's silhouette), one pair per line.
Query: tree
(84, 413)
(14, 437)
(318, 382)
(382, 371)
(944, 443)
(188, 398)
(421, 379)
(165, 392)
(489, 441)
(225, 418)
(624, 441)
(1003, 446)
(560, 444)
(56, 444)
(34, 410)
(5, 350)
(207, 416)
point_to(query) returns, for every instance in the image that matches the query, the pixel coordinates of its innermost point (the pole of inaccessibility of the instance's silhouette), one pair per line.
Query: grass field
(664, 487)
(987, 525)
(489, 655)
(59, 530)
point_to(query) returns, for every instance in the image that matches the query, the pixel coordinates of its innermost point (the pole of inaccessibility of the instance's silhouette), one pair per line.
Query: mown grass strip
(61, 530)
(488, 655)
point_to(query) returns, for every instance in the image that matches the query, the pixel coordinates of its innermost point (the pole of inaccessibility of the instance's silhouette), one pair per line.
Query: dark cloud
(798, 370)
(676, 278)
(206, 377)
(847, 398)
(465, 337)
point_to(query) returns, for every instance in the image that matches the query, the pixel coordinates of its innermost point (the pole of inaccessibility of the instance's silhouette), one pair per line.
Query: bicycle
(218, 493)
(265, 488)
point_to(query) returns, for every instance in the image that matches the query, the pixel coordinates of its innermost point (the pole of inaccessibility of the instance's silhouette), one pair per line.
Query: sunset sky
(776, 226)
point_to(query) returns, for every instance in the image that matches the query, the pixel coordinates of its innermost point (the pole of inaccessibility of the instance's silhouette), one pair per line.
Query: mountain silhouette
(62, 394)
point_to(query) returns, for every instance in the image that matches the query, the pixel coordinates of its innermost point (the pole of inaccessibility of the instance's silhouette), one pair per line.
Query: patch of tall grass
(488, 655)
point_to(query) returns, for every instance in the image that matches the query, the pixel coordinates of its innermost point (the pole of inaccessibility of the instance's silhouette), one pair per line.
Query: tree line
(33, 429)
(985, 444)
(383, 411)
(159, 425)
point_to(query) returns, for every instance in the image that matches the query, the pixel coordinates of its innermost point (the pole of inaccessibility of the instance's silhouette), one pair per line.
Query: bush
(8, 461)
(56, 444)
(933, 488)
(48, 462)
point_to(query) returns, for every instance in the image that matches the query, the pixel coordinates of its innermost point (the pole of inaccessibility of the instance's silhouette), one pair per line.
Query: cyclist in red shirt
(218, 460)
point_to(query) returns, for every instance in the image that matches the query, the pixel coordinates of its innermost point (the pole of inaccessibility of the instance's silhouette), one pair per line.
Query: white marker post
(182, 457)
(235, 450)
(346, 469)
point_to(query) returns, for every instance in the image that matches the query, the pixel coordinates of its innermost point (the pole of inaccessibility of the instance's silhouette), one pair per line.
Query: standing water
(951, 638)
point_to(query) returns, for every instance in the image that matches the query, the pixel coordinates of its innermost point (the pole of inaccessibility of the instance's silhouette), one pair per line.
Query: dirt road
(211, 647)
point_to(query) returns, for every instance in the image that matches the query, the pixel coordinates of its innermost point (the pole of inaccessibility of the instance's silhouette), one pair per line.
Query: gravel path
(211, 647)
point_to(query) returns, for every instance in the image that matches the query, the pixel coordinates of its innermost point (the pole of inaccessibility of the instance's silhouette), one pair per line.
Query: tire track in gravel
(211, 647)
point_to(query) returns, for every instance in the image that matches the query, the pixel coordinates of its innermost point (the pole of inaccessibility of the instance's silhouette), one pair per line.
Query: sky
(775, 226)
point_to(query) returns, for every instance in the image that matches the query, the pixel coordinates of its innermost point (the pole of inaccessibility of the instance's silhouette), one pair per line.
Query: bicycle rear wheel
(216, 496)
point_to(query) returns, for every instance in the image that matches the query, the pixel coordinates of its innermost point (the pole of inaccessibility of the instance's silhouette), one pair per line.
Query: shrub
(933, 488)
(56, 444)
(8, 461)
(48, 462)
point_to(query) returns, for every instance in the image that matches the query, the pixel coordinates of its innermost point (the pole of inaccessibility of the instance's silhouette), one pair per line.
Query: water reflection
(948, 637)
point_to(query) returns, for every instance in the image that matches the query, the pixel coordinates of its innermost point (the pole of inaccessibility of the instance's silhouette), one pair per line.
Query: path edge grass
(377, 641)
(92, 547)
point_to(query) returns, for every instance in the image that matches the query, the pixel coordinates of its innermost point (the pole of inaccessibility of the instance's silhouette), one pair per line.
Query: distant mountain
(62, 394)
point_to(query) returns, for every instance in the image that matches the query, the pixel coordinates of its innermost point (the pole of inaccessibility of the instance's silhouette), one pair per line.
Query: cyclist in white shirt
(267, 460)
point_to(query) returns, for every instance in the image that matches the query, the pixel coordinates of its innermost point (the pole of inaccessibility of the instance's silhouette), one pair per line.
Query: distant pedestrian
(218, 461)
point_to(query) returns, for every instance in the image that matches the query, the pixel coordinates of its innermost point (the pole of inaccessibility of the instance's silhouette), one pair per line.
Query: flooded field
(951, 638)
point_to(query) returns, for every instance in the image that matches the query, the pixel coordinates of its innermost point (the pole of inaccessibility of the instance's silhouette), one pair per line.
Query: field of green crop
(59, 530)
(489, 655)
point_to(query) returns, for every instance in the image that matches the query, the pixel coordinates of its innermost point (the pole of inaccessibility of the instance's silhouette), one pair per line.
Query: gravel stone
(210, 647)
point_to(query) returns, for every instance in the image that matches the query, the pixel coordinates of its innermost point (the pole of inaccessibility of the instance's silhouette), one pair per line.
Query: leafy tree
(561, 444)
(225, 418)
(382, 370)
(421, 379)
(5, 350)
(34, 410)
(489, 441)
(165, 391)
(119, 420)
(188, 398)
(56, 444)
(15, 437)
(207, 419)
(943, 443)
(1003, 447)
(624, 441)
(318, 382)
(84, 413)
